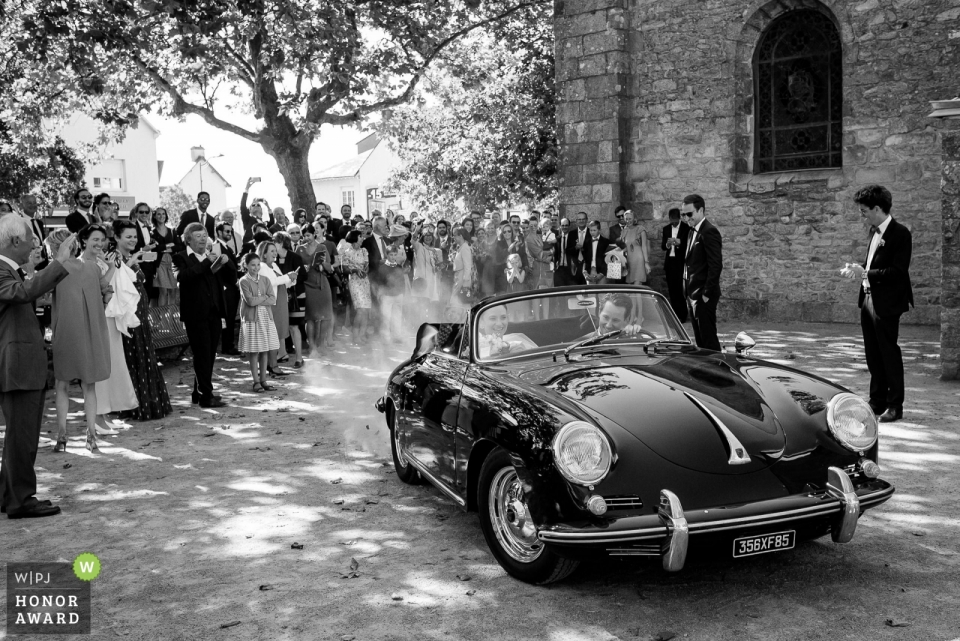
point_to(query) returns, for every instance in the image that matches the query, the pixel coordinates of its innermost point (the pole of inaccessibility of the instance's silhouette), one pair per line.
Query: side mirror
(426, 341)
(743, 343)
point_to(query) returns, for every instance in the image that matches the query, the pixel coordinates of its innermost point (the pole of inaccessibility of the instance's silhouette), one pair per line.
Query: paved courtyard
(198, 520)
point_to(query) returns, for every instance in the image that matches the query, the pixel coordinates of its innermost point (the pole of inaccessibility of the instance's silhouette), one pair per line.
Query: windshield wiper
(658, 341)
(590, 340)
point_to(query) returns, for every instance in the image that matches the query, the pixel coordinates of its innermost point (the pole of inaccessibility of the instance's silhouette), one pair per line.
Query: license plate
(763, 543)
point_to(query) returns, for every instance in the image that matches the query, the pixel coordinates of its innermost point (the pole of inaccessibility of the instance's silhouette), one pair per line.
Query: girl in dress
(267, 251)
(258, 333)
(290, 263)
(164, 280)
(81, 345)
(356, 262)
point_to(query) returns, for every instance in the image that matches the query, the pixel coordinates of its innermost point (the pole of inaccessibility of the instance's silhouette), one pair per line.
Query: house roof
(210, 166)
(346, 169)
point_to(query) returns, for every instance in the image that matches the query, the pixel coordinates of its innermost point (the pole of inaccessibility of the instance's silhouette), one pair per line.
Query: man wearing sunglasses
(82, 214)
(702, 267)
(613, 233)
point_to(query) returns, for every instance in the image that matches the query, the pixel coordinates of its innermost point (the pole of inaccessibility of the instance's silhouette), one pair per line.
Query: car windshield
(553, 321)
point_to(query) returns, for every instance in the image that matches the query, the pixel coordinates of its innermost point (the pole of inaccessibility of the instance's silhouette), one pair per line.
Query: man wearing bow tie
(885, 294)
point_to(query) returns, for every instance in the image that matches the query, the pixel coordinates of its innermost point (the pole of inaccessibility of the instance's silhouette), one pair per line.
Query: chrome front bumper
(667, 533)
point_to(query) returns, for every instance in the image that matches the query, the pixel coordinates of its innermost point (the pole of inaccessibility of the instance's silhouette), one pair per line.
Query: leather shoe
(230, 352)
(877, 409)
(45, 503)
(215, 402)
(35, 512)
(891, 415)
(195, 398)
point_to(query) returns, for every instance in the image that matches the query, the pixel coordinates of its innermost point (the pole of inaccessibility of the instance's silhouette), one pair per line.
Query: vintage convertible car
(582, 420)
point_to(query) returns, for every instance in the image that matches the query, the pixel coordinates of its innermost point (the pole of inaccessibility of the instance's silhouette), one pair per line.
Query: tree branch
(181, 106)
(356, 114)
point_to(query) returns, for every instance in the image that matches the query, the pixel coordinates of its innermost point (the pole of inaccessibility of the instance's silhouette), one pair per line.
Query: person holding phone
(319, 293)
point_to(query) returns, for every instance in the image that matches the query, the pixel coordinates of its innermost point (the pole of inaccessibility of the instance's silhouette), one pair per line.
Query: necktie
(690, 239)
(874, 229)
(563, 251)
(21, 274)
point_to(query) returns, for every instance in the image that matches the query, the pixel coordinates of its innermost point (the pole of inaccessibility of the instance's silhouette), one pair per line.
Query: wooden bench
(167, 330)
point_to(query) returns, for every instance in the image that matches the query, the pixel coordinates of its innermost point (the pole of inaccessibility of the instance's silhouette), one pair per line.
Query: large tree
(481, 128)
(48, 171)
(293, 64)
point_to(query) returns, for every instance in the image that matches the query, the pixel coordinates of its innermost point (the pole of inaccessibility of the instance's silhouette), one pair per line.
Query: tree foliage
(175, 201)
(49, 172)
(482, 127)
(292, 64)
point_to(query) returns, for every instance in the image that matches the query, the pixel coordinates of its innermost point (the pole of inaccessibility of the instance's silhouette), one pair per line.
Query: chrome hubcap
(509, 516)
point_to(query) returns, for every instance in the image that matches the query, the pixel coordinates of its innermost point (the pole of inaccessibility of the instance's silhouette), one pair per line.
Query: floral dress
(145, 374)
(359, 284)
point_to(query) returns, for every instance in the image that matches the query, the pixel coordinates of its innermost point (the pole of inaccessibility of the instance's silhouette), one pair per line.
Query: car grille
(623, 502)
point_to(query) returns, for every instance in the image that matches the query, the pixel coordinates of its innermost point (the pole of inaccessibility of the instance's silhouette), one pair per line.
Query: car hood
(684, 406)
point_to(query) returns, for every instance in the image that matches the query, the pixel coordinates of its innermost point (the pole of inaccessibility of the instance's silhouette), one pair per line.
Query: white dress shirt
(874, 244)
(674, 233)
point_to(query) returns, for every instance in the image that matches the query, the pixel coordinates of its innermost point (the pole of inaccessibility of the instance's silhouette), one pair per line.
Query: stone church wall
(656, 102)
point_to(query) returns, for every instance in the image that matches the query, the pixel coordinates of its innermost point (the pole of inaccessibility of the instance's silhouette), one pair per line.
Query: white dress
(117, 393)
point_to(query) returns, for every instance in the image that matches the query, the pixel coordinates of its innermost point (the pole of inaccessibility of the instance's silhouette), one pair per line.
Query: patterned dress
(260, 334)
(359, 285)
(154, 402)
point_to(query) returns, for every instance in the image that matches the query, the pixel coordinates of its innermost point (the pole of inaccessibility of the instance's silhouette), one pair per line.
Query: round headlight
(852, 422)
(582, 453)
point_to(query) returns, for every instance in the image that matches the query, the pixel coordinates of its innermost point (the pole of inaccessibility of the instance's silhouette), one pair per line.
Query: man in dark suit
(201, 308)
(673, 240)
(141, 218)
(28, 211)
(199, 215)
(376, 247)
(576, 239)
(82, 214)
(885, 294)
(23, 366)
(561, 272)
(228, 276)
(616, 229)
(702, 267)
(594, 254)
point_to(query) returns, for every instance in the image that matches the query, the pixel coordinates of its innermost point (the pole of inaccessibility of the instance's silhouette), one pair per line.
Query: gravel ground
(198, 519)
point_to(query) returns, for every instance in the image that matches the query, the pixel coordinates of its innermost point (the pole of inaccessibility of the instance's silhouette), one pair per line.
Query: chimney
(196, 153)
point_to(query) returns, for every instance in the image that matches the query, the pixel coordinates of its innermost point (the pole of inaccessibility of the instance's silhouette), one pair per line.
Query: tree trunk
(292, 161)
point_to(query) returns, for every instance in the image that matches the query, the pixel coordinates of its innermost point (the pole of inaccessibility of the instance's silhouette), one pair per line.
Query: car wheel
(405, 471)
(508, 528)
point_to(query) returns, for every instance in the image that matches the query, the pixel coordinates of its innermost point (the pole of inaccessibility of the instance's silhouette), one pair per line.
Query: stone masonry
(656, 101)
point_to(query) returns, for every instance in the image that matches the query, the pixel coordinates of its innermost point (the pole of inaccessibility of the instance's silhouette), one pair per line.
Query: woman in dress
(464, 273)
(395, 286)
(163, 238)
(258, 333)
(484, 255)
(506, 245)
(267, 251)
(153, 401)
(426, 280)
(355, 262)
(290, 263)
(634, 240)
(333, 257)
(81, 344)
(316, 262)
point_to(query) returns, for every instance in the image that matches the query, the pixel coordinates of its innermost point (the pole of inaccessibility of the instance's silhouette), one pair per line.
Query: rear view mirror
(426, 341)
(581, 302)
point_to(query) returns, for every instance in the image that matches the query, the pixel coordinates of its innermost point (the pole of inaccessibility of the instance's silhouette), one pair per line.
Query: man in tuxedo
(576, 240)
(23, 366)
(198, 215)
(229, 218)
(82, 214)
(594, 254)
(702, 267)
(885, 294)
(562, 274)
(673, 240)
(201, 308)
(376, 246)
(141, 218)
(229, 276)
(616, 229)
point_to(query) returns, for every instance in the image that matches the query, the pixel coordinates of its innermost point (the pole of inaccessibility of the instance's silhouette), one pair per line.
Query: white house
(128, 171)
(359, 182)
(203, 176)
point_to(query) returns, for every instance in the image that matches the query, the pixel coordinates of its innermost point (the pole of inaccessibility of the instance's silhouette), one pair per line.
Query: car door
(433, 399)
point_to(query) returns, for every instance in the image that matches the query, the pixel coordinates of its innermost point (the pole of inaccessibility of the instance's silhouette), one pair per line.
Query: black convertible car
(583, 420)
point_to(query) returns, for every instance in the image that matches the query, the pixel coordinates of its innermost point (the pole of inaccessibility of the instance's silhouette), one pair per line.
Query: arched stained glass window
(798, 89)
